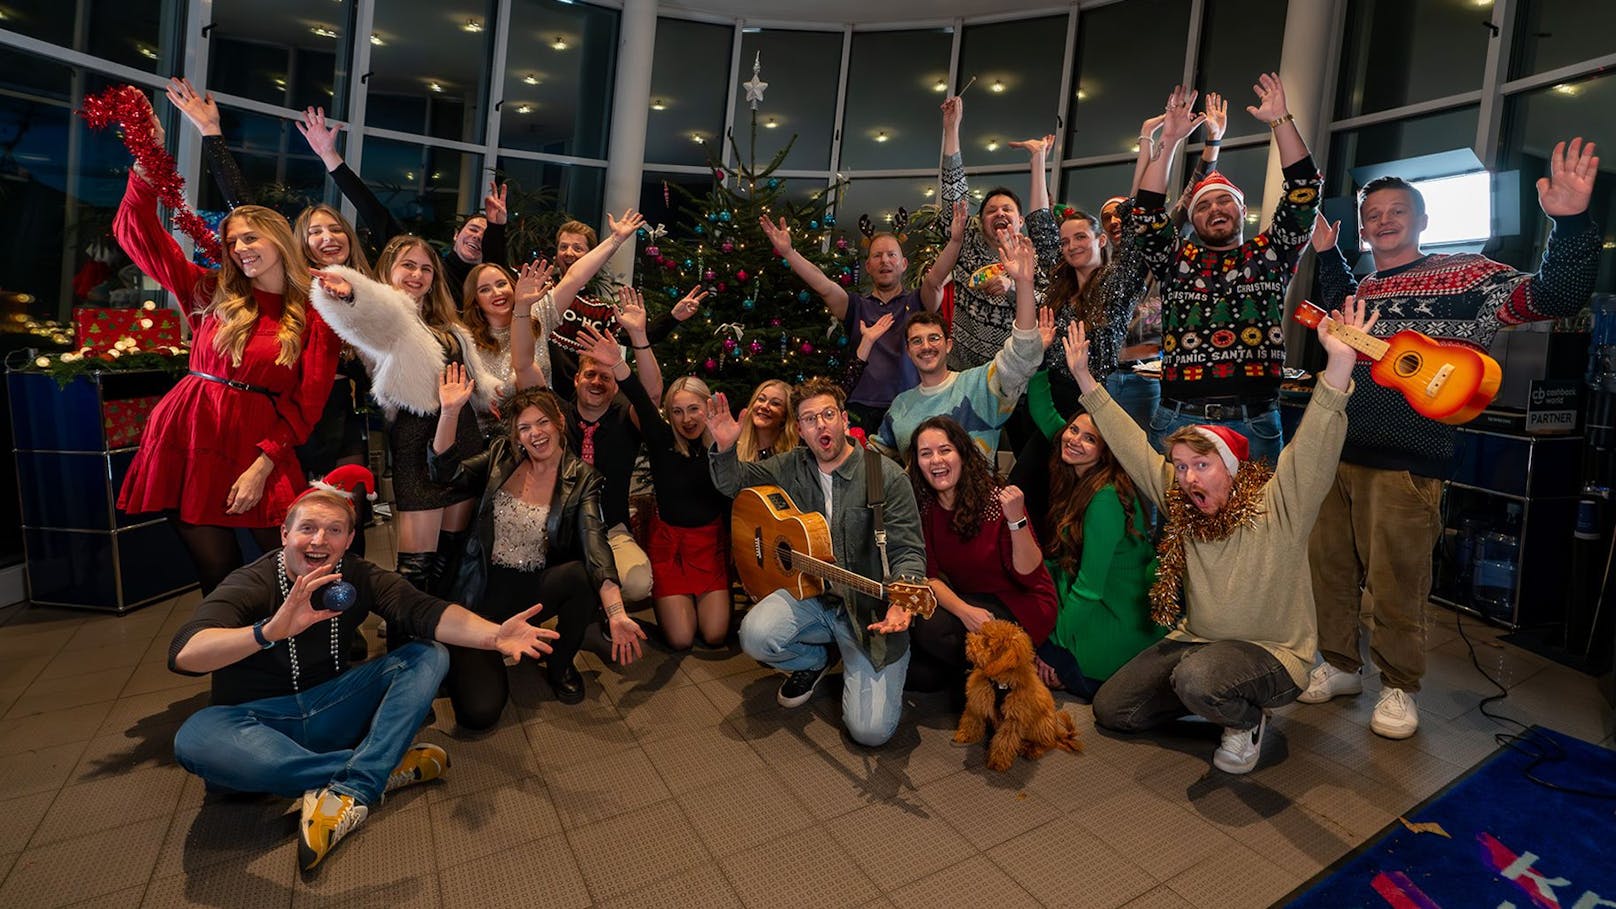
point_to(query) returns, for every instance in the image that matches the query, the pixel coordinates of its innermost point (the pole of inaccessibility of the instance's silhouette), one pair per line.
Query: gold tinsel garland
(1187, 524)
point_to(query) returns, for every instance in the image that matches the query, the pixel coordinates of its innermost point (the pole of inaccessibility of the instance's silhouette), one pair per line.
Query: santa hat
(1212, 183)
(1232, 446)
(348, 480)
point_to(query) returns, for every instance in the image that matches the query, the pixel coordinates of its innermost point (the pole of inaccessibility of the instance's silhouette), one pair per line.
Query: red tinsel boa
(127, 106)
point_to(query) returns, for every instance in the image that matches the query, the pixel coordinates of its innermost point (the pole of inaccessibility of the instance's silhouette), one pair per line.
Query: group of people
(1164, 548)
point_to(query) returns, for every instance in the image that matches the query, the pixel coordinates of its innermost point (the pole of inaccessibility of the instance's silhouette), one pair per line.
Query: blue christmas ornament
(673, 292)
(690, 263)
(830, 221)
(833, 362)
(711, 216)
(700, 230)
(336, 596)
(813, 225)
(774, 183)
(802, 296)
(841, 341)
(724, 216)
(748, 303)
(643, 234)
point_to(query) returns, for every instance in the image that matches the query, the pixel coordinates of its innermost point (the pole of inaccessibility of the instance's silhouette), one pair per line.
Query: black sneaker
(799, 686)
(568, 685)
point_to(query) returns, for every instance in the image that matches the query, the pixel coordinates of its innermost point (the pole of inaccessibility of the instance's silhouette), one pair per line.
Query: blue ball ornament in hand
(336, 596)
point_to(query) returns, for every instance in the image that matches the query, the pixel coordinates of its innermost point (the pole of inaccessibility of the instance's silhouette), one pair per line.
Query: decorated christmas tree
(758, 321)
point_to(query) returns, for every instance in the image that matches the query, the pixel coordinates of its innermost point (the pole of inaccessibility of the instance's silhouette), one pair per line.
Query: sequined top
(520, 535)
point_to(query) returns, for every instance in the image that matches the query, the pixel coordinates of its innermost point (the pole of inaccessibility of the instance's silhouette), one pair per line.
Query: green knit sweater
(1254, 585)
(1104, 617)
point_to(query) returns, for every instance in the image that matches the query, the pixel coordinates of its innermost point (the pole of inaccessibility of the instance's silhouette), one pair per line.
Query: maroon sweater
(982, 565)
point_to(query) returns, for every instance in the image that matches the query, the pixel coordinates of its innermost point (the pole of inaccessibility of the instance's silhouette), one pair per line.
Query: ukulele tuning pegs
(1308, 314)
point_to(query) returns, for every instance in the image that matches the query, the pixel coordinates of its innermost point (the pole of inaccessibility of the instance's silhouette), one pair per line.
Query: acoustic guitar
(1447, 382)
(777, 547)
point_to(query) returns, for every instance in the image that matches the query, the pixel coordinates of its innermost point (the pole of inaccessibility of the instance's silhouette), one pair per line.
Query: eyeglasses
(826, 416)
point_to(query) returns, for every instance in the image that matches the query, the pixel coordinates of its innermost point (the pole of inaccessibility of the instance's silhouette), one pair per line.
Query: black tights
(938, 662)
(478, 683)
(214, 550)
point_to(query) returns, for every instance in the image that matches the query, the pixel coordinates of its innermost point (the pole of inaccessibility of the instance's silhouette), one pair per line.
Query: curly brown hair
(976, 496)
(1070, 494)
(514, 404)
(1066, 286)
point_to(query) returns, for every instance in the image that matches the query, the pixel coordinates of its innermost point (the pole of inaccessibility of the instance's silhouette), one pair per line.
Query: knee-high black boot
(419, 568)
(451, 552)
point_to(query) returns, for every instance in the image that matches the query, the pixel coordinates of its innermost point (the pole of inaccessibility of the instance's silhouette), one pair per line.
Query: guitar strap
(875, 496)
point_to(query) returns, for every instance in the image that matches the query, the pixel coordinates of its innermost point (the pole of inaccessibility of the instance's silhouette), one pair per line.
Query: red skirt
(687, 561)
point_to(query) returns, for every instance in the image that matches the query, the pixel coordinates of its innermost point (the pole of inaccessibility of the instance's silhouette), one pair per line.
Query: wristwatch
(1016, 525)
(258, 635)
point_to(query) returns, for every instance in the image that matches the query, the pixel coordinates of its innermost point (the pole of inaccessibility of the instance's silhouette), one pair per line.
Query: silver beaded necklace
(291, 642)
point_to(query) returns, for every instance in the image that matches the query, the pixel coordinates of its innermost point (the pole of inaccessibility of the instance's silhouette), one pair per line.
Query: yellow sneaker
(326, 818)
(420, 763)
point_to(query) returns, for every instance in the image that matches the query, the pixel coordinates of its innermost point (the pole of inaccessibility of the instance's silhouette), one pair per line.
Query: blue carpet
(1511, 841)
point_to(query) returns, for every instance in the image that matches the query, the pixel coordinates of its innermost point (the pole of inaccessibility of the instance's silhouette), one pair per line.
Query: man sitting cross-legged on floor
(289, 716)
(1235, 547)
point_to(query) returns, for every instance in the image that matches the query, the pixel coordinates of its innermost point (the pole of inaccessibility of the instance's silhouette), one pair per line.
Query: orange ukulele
(1449, 383)
(776, 547)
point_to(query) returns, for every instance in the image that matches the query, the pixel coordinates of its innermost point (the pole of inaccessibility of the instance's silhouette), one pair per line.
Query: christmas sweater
(983, 322)
(1464, 298)
(980, 399)
(1223, 310)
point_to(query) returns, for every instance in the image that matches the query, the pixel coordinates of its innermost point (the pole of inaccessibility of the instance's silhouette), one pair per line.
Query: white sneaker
(1326, 682)
(1395, 715)
(1240, 748)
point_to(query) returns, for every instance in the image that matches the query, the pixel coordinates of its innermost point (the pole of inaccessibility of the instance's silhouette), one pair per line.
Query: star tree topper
(754, 88)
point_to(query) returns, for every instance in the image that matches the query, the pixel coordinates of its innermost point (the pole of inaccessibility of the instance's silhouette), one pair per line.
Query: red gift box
(98, 328)
(123, 420)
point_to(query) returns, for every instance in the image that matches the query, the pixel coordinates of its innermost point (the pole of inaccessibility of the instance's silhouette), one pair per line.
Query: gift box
(123, 420)
(100, 329)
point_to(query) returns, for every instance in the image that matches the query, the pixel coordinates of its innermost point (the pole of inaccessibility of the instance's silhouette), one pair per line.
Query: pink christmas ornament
(740, 275)
(806, 348)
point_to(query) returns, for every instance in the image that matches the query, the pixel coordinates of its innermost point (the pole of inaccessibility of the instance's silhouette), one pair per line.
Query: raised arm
(1571, 260)
(834, 295)
(1272, 110)
(1149, 470)
(631, 315)
(204, 115)
(533, 304)
(931, 284)
(955, 187)
(1179, 121)
(147, 243)
(618, 232)
(1037, 158)
(373, 215)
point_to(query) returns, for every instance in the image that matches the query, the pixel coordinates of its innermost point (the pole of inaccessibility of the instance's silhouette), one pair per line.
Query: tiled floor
(680, 783)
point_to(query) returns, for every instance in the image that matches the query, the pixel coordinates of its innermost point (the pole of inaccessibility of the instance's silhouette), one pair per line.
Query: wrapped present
(122, 420)
(101, 329)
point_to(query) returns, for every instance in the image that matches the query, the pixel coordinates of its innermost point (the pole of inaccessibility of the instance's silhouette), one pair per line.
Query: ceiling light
(324, 32)
(525, 109)
(930, 191)
(530, 79)
(409, 175)
(1567, 89)
(941, 85)
(886, 216)
(433, 86)
(771, 123)
(881, 136)
(1082, 95)
(147, 52)
(977, 193)
(280, 82)
(993, 145)
(437, 176)
(472, 25)
(1251, 217)
(559, 43)
(997, 86)
(376, 41)
(658, 105)
(696, 138)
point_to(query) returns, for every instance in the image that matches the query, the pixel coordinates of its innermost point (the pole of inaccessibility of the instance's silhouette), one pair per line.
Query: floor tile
(622, 854)
(468, 827)
(223, 885)
(746, 810)
(84, 808)
(606, 787)
(783, 875)
(57, 727)
(699, 756)
(702, 886)
(51, 695)
(40, 770)
(55, 874)
(970, 883)
(541, 871)
(1058, 861)
(987, 812)
(1234, 877)
(899, 842)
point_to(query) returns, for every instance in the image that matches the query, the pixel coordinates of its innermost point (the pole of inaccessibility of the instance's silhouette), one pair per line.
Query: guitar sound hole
(1407, 364)
(782, 551)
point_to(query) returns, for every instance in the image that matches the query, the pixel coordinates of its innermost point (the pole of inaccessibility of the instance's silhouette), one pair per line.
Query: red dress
(203, 434)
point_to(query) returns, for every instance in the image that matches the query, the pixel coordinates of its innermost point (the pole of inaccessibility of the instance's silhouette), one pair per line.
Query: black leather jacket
(576, 529)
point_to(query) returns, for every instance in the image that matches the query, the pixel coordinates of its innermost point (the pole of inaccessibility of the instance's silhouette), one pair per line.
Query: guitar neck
(836, 574)
(1361, 341)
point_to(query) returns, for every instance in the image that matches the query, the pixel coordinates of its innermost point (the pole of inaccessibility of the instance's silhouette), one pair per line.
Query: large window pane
(1401, 52)
(1239, 40)
(689, 77)
(1111, 99)
(293, 53)
(142, 34)
(558, 76)
(1247, 168)
(1017, 69)
(894, 85)
(1534, 122)
(1554, 33)
(280, 170)
(881, 198)
(1089, 187)
(1392, 141)
(801, 69)
(542, 195)
(430, 73)
(428, 189)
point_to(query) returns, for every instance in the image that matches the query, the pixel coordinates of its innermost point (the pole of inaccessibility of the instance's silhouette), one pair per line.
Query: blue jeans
(786, 633)
(1261, 431)
(1135, 394)
(347, 733)
(1230, 683)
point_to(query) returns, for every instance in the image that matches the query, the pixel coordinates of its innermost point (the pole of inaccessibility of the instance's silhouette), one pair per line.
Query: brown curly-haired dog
(1004, 690)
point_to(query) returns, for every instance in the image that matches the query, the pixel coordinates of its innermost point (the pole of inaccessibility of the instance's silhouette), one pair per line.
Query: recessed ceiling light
(993, 145)
(559, 43)
(472, 25)
(433, 86)
(658, 105)
(930, 191)
(1567, 89)
(324, 32)
(941, 85)
(997, 86)
(147, 52)
(697, 138)
(530, 79)
(525, 109)
(376, 41)
(771, 123)
(881, 136)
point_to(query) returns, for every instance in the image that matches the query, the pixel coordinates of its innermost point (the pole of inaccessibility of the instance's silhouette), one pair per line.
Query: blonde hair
(438, 309)
(318, 496)
(471, 315)
(236, 309)
(696, 387)
(357, 260)
(746, 447)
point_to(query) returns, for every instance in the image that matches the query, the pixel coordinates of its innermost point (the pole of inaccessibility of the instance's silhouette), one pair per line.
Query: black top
(685, 494)
(253, 592)
(616, 444)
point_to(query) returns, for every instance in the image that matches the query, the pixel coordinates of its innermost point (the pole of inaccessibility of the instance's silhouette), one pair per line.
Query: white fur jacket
(405, 358)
